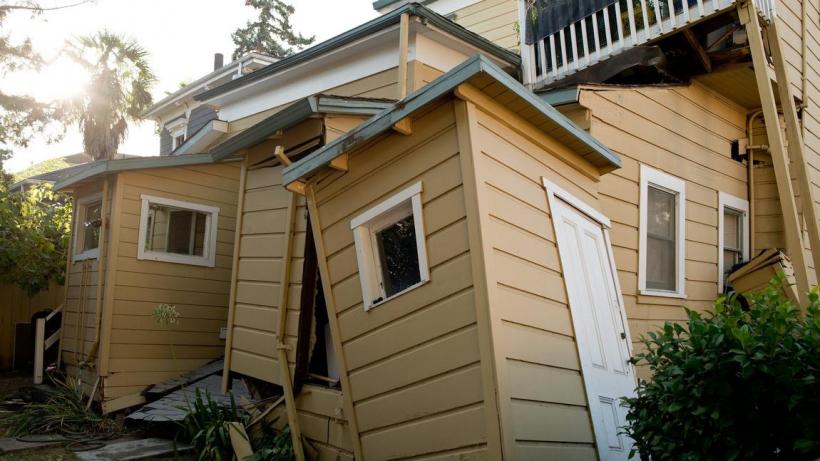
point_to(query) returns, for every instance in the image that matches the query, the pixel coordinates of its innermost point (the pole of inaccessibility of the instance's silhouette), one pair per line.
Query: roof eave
(436, 89)
(363, 31)
(115, 166)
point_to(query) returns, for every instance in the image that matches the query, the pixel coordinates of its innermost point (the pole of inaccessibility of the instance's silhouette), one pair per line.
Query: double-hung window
(87, 227)
(176, 231)
(390, 247)
(662, 242)
(733, 234)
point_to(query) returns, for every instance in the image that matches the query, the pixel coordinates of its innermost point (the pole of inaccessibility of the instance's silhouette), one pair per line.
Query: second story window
(177, 129)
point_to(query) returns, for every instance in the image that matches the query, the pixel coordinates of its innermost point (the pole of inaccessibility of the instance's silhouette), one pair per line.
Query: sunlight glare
(59, 81)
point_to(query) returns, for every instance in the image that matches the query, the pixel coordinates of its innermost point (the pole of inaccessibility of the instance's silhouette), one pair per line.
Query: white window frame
(176, 129)
(677, 186)
(364, 227)
(208, 258)
(80, 209)
(740, 206)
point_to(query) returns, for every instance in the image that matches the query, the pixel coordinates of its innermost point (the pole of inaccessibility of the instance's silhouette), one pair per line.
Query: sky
(181, 37)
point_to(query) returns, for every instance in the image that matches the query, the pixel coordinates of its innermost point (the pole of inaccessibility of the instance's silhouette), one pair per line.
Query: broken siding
(322, 423)
(541, 392)
(495, 20)
(413, 362)
(261, 249)
(686, 132)
(141, 352)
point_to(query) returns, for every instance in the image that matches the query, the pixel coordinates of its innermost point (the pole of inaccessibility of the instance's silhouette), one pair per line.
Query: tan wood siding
(413, 360)
(320, 410)
(78, 342)
(261, 249)
(17, 307)
(495, 20)
(141, 352)
(687, 132)
(542, 402)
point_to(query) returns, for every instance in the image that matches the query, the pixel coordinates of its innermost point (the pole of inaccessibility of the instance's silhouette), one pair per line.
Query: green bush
(736, 384)
(204, 425)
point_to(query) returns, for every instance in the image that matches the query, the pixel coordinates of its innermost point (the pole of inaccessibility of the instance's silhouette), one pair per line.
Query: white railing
(43, 344)
(608, 31)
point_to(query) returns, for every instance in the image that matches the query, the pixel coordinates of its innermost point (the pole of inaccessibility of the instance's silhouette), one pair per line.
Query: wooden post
(105, 214)
(237, 242)
(110, 280)
(791, 220)
(39, 349)
(404, 45)
(284, 375)
(795, 138)
(333, 321)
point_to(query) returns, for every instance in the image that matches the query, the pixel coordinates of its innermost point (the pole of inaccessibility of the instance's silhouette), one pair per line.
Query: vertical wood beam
(777, 148)
(110, 280)
(281, 335)
(237, 242)
(795, 140)
(333, 321)
(404, 47)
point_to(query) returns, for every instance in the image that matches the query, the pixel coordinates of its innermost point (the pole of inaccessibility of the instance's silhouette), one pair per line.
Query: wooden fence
(17, 308)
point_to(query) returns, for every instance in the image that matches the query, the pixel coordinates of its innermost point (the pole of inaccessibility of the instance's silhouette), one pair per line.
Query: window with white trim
(87, 227)
(390, 247)
(733, 234)
(178, 232)
(177, 129)
(662, 245)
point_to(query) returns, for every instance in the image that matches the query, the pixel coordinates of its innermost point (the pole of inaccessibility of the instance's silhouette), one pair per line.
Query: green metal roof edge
(429, 93)
(113, 166)
(560, 96)
(361, 31)
(296, 113)
(379, 4)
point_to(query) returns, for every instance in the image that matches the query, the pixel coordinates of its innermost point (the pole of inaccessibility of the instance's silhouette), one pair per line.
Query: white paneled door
(600, 324)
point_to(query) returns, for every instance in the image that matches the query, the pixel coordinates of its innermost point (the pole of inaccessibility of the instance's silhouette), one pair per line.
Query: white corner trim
(366, 256)
(741, 206)
(554, 190)
(211, 226)
(677, 186)
(79, 212)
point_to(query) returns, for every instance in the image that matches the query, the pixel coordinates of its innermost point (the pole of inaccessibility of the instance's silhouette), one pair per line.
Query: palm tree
(118, 90)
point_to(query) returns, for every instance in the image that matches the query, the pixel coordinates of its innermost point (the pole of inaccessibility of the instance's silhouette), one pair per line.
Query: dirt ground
(11, 382)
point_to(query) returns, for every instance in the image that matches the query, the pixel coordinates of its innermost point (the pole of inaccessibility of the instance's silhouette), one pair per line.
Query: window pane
(91, 233)
(172, 230)
(731, 230)
(661, 218)
(661, 267)
(730, 258)
(398, 256)
(660, 264)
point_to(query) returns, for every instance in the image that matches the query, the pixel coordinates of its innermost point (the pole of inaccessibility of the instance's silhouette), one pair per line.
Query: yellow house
(464, 215)
(147, 231)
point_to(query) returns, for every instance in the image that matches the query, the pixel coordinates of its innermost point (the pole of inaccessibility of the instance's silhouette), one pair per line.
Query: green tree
(34, 233)
(118, 92)
(21, 116)
(271, 33)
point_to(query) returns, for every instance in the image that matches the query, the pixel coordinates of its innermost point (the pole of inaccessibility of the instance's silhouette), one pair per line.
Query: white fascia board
(437, 48)
(442, 7)
(347, 64)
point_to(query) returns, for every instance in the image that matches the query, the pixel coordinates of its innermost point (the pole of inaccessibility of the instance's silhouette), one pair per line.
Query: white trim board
(739, 205)
(553, 190)
(208, 259)
(363, 237)
(677, 186)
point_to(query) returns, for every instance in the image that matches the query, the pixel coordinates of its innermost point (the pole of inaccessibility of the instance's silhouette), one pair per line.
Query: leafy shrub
(62, 412)
(272, 445)
(736, 384)
(204, 425)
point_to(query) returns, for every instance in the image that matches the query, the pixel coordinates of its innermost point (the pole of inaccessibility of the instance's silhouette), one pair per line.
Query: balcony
(614, 29)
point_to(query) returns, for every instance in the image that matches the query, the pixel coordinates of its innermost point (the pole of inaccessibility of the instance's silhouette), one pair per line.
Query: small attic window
(177, 232)
(177, 129)
(390, 247)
